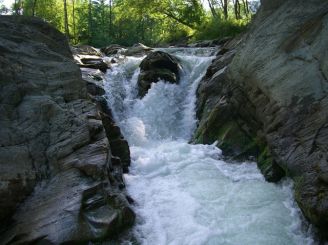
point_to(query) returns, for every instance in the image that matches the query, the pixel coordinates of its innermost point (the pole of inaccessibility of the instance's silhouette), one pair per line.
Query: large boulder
(275, 92)
(157, 65)
(59, 181)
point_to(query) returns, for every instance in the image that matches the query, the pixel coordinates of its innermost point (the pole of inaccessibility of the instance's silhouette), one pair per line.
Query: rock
(70, 209)
(89, 57)
(219, 121)
(157, 65)
(94, 89)
(274, 94)
(210, 43)
(55, 157)
(111, 49)
(203, 44)
(119, 146)
(137, 50)
(85, 50)
(94, 80)
(91, 62)
(94, 63)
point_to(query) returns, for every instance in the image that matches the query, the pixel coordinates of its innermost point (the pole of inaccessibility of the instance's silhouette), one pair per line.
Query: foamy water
(186, 194)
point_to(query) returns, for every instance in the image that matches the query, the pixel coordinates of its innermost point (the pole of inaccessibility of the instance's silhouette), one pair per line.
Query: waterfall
(186, 194)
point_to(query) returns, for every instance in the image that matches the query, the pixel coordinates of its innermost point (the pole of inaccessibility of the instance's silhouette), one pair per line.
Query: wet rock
(70, 209)
(55, 157)
(120, 148)
(94, 80)
(137, 50)
(95, 89)
(265, 95)
(98, 64)
(85, 50)
(88, 57)
(91, 62)
(111, 49)
(210, 43)
(204, 44)
(157, 65)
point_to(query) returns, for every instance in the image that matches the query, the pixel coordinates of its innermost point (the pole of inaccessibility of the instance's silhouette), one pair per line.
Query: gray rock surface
(157, 65)
(85, 50)
(275, 94)
(137, 49)
(55, 159)
(112, 49)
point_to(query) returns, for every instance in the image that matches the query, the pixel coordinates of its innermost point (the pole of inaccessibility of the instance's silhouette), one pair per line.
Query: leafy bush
(218, 28)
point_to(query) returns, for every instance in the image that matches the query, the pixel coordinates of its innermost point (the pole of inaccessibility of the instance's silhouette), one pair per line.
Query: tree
(246, 8)
(33, 8)
(212, 8)
(3, 8)
(66, 20)
(110, 4)
(74, 23)
(89, 20)
(225, 8)
(17, 7)
(126, 22)
(237, 9)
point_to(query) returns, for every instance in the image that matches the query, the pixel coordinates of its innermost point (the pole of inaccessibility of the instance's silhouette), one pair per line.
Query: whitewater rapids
(186, 194)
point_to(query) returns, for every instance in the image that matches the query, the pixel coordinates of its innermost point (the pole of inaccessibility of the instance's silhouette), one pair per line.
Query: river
(187, 194)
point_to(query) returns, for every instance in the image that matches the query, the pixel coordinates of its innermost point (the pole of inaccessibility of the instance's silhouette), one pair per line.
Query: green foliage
(3, 9)
(126, 22)
(49, 10)
(218, 28)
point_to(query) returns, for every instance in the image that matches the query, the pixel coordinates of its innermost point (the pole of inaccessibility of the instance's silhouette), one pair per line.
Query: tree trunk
(142, 29)
(225, 9)
(214, 13)
(17, 7)
(247, 7)
(66, 20)
(110, 18)
(103, 29)
(237, 9)
(74, 24)
(33, 7)
(89, 21)
(168, 14)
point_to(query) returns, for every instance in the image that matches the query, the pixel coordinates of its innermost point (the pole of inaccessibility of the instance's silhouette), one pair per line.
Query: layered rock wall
(271, 100)
(58, 175)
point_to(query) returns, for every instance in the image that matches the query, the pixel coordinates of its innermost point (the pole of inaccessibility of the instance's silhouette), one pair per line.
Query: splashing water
(184, 193)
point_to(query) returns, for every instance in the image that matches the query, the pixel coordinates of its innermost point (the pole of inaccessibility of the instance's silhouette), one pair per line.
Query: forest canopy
(152, 22)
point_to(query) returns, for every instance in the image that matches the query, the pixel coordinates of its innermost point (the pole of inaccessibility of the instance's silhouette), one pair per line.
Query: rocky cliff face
(56, 159)
(271, 100)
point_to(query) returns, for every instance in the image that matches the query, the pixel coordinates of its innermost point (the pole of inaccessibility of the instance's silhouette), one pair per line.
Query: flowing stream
(186, 194)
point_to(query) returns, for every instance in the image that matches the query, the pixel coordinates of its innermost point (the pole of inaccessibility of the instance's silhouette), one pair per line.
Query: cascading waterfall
(186, 194)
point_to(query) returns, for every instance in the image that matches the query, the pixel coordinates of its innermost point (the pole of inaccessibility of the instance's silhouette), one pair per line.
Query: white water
(184, 193)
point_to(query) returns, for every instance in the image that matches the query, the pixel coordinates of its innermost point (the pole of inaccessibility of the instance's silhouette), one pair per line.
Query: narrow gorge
(185, 193)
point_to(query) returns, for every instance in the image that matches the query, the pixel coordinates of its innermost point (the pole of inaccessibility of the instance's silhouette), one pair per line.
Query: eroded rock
(137, 50)
(111, 49)
(85, 50)
(274, 94)
(157, 65)
(55, 157)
